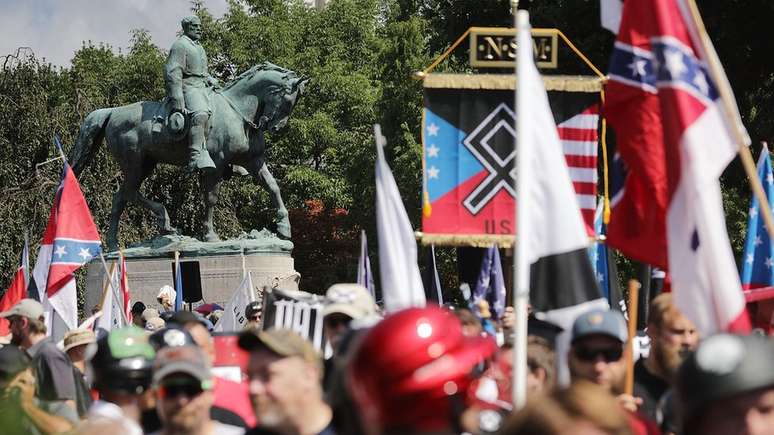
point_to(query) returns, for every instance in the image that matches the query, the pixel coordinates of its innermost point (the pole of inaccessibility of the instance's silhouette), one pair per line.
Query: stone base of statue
(150, 266)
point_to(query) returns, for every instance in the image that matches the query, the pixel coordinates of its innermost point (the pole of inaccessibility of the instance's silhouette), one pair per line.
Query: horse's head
(276, 89)
(278, 103)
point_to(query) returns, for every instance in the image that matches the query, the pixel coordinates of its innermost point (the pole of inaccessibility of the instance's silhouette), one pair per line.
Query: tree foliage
(360, 55)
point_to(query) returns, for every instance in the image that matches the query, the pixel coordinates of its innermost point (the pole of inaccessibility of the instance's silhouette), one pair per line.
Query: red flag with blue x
(71, 240)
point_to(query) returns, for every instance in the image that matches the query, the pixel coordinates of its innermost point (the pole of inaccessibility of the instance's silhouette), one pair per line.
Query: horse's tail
(89, 139)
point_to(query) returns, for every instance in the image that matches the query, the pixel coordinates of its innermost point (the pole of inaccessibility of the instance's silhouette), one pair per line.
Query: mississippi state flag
(469, 155)
(674, 141)
(70, 241)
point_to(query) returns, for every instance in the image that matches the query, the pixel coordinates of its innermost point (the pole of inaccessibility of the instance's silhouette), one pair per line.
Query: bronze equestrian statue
(144, 134)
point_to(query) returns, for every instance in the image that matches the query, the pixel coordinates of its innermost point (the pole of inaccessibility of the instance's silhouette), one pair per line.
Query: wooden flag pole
(634, 290)
(731, 113)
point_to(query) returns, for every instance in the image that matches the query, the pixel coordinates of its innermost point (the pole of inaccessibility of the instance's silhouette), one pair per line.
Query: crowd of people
(431, 370)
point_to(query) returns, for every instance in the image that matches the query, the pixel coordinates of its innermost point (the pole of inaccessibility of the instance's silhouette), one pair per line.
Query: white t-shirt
(218, 428)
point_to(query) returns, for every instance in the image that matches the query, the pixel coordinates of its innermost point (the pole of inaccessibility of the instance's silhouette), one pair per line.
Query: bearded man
(672, 338)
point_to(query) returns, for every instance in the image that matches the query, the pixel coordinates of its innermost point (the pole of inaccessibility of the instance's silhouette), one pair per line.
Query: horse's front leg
(119, 204)
(210, 187)
(267, 181)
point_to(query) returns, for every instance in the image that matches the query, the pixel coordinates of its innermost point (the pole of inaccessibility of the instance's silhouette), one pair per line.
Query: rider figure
(187, 78)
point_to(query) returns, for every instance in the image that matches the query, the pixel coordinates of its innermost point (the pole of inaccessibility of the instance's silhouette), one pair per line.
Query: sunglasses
(171, 391)
(608, 355)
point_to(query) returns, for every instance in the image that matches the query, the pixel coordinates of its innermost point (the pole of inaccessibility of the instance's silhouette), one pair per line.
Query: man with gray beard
(672, 338)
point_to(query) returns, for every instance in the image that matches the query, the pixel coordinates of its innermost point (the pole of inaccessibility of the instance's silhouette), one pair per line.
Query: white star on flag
(750, 259)
(674, 63)
(432, 129)
(770, 179)
(433, 172)
(701, 82)
(60, 251)
(758, 241)
(638, 67)
(753, 211)
(433, 151)
(769, 262)
(600, 277)
(84, 253)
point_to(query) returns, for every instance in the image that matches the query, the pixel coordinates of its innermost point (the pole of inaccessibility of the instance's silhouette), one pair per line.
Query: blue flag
(490, 285)
(178, 287)
(758, 257)
(598, 253)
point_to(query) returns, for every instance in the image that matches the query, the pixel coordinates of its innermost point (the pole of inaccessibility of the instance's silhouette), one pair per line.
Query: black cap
(722, 367)
(171, 336)
(12, 361)
(252, 309)
(543, 329)
(138, 308)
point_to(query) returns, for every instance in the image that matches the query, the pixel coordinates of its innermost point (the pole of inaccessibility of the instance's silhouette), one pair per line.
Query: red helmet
(409, 365)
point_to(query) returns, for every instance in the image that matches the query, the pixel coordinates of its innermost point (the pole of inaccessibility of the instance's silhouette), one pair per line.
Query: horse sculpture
(260, 99)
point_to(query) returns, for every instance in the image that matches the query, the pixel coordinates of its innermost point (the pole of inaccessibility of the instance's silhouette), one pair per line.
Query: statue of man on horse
(225, 129)
(187, 79)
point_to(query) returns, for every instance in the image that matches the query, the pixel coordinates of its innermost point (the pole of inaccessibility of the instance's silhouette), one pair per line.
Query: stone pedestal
(220, 266)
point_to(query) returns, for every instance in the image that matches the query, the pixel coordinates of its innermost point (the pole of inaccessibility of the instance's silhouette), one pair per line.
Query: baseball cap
(150, 313)
(29, 308)
(353, 300)
(724, 366)
(189, 360)
(12, 361)
(154, 324)
(600, 322)
(77, 337)
(283, 342)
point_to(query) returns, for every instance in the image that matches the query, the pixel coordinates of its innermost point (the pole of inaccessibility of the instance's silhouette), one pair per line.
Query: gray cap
(600, 322)
(29, 308)
(182, 359)
(724, 366)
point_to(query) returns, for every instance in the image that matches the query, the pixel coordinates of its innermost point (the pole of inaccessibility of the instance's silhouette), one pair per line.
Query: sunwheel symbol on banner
(492, 144)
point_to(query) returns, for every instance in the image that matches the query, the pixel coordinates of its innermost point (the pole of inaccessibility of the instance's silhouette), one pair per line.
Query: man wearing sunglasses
(596, 352)
(596, 355)
(183, 384)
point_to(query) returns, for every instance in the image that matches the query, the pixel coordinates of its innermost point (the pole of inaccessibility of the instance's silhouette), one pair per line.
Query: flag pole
(109, 283)
(242, 254)
(520, 262)
(730, 112)
(634, 289)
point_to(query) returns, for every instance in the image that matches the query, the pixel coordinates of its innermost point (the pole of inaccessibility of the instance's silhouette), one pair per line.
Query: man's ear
(541, 374)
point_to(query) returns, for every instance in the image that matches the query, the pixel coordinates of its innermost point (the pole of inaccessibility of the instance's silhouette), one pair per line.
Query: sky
(55, 29)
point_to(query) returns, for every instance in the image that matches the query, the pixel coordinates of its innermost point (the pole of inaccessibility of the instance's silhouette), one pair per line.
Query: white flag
(364, 276)
(610, 14)
(233, 318)
(112, 308)
(401, 282)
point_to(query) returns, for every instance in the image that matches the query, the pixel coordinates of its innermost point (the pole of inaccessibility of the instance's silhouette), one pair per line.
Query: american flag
(579, 137)
(758, 257)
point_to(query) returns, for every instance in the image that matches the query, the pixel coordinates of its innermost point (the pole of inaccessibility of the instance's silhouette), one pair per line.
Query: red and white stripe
(579, 137)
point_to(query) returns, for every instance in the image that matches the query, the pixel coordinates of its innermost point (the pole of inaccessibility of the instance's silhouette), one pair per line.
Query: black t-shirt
(53, 372)
(83, 402)
(649, 387)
